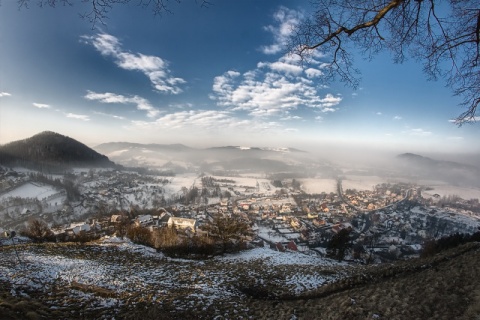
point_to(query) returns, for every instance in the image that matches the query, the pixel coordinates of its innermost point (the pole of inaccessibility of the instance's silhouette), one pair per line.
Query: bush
(140, 235)
(171, 244)
(38, 231)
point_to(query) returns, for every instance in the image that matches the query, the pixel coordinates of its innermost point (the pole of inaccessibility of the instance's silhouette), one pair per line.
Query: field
(446, 190)
(318, 185)
(31, 190)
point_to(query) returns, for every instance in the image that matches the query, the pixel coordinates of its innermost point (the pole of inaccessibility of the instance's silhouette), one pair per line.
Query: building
(182, 223)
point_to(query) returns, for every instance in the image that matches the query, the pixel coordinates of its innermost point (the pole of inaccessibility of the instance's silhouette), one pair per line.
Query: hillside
(449, 171)
(50, 150)
(121, 280)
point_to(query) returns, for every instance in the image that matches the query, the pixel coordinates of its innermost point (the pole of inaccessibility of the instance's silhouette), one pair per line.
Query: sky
(205, 77)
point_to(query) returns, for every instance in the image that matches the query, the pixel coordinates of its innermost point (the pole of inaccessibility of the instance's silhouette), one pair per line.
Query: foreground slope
(121, 280)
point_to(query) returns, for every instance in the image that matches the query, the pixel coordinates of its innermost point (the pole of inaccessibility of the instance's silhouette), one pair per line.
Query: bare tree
(98, 10)
(443, 35)
(230, 232)
(38, 230)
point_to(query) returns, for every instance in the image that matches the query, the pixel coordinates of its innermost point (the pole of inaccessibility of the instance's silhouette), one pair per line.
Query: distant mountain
(50, 150)
(452, 172)
(178, 157)
(247, 149)
(425, 161)
(116, 146)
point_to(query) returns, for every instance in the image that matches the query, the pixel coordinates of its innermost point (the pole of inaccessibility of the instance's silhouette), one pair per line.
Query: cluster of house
(10, 179)
(380, 197)
(107, 225)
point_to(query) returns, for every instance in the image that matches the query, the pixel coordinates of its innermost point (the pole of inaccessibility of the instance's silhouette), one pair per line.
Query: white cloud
(469, 120)
(155, 68)
(5, 94)
(289, 117)
(108, 97)
(272, 89)
(109, 115)
(327, 109)
(78, 116)
(286, 20)
(330, 100)
(313, 73)
(41, 105)
(282, 66)
(397, 118)
(206, 121)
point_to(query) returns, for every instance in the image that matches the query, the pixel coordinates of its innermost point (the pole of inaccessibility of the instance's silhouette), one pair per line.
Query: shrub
(38, 231)
(140, 235)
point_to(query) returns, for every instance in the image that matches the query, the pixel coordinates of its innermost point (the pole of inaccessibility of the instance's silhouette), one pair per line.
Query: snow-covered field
(318, 185)
(446, 190)
(361, 182)
(259, 185)
(187, 180)
(31, 190)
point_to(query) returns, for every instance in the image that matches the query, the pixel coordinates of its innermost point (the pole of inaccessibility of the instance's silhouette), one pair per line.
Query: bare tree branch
(446, 40)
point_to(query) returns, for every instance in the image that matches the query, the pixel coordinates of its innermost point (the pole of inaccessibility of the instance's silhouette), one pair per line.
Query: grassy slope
(446, 286)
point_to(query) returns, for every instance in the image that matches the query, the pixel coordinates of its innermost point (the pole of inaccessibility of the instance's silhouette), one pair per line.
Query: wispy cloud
(5, 94)
(207, 121)
(108, 97)
(285, 22)
(41, 105)
(289, 117)
(397, 118)
(78, 116)
(155, 68)
(378, 113)
(109, 115)
(469, 120)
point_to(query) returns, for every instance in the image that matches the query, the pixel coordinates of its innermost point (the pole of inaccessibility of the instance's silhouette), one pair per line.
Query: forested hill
(51, 151)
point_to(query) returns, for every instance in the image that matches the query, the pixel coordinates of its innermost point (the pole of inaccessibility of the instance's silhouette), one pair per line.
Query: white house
(182, 223)
(84, 227)
(143, 220)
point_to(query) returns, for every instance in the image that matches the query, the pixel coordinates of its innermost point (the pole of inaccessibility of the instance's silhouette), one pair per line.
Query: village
(391, 221)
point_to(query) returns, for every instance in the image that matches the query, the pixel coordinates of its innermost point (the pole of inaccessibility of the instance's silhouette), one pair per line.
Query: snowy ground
(446, 190)
(116, 271)
(361, 182)
(187, 180)
(31, 190)
(319, 185)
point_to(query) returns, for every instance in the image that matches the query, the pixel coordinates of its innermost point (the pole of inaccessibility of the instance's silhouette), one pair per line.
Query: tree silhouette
(339, 244)
(98, 10)
(443, 35)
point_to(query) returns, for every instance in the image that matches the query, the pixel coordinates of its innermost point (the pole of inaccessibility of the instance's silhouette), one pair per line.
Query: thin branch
(378, 17)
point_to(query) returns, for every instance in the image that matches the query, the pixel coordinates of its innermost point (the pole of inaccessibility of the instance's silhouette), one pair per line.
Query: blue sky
(207, 77)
